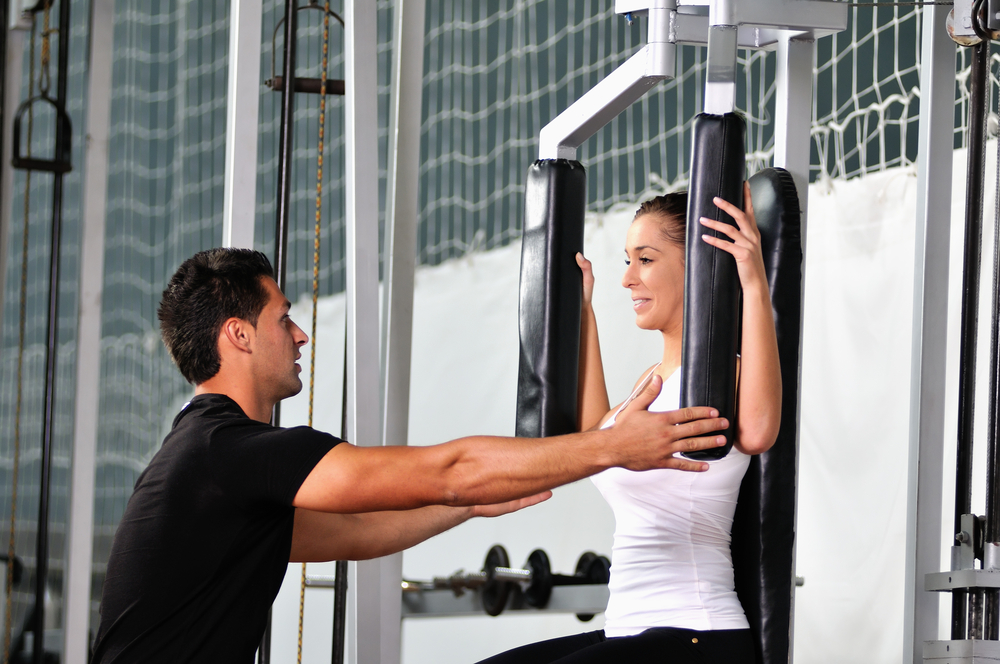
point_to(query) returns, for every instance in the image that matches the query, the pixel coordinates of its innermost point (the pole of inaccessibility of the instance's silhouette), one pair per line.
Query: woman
(672, 597)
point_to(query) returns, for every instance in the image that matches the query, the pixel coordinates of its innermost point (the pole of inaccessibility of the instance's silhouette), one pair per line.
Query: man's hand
(649, 440)
(499, 509)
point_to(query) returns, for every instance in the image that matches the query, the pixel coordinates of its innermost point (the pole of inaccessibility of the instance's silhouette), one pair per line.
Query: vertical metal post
(4, 33)
(720, 74)
(242, 101)
(400, 263)
(285, 135)
(978, 95)
(930, 309)
(79, 549)
(51, 354)
(793, 112)
(11, 91)
(362, 292)
(793, 122)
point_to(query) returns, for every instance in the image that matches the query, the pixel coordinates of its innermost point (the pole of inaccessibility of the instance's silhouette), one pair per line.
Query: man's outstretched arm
(486, 470)
(321, 536)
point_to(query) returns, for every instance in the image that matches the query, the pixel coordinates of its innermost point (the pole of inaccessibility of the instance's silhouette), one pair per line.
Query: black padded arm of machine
(764, 524)
(711, 283)
(550, 298)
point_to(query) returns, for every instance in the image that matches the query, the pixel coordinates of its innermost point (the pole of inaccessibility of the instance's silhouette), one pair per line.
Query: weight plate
(494, 593)
(540, 589)
(595, 569)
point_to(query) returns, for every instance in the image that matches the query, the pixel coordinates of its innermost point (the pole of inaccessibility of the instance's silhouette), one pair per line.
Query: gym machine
(974, 576)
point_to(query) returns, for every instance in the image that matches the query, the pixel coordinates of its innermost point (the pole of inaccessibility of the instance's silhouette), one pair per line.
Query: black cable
(978, 101)
(340, 582)
(992, 609)
(51, 345)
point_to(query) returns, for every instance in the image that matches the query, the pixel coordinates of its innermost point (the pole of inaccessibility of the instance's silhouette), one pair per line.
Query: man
(229, 500)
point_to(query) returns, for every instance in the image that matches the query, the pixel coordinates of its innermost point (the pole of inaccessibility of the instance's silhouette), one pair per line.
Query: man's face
(276, 346)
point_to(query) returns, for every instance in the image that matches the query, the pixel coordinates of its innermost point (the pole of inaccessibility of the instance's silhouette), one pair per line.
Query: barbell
(535, 580)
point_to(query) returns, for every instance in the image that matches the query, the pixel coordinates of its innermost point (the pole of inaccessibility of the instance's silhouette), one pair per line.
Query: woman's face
(655, 276)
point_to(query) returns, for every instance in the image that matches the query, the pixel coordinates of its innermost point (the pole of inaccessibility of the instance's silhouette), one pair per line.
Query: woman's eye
(628, 262)
(645, 261)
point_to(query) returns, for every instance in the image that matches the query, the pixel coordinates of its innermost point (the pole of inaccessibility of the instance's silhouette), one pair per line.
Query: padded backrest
(764, 525)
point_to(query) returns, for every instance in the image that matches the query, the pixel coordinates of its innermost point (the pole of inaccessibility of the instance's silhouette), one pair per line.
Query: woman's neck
(671, 352)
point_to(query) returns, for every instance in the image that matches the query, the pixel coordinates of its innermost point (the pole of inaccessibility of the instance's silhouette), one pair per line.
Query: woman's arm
(592, 394)
(759, 413)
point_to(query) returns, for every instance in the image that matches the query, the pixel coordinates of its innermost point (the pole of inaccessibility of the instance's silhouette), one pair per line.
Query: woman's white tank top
(671, 564)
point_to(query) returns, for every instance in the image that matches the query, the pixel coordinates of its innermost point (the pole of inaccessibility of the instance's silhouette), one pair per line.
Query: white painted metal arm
(560, 138)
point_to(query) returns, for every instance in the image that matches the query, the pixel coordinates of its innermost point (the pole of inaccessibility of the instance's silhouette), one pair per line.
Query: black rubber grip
(551, 295)
(711, 283)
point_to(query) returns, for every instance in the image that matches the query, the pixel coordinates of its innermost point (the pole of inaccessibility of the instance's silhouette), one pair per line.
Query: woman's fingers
(588, 277)
(748, 203)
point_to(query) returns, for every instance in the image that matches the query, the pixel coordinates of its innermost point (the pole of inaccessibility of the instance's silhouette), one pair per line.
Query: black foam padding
(550, 298)
(764, 524)
(711, 282)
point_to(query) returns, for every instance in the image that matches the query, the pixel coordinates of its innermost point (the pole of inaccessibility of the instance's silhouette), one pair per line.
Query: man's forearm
(321, 536)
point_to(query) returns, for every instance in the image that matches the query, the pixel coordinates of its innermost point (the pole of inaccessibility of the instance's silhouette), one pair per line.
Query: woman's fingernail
(720, 441)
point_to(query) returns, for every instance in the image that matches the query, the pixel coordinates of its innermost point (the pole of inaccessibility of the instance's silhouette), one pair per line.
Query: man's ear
(237, 333)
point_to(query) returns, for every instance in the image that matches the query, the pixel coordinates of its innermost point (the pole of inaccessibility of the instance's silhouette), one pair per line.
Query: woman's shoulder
(646, 375)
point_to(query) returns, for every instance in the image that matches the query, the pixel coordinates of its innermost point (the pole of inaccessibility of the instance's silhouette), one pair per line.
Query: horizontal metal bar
(309, 85)
(964, 652)
(564, 599)
(961, 578)
(692, 29)
(815, 17)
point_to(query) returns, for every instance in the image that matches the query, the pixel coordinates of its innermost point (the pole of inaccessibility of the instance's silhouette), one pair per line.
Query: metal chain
(315, 282)
(21, 325)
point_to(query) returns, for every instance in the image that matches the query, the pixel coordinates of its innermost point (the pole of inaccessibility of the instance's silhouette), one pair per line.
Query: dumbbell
(537, 579)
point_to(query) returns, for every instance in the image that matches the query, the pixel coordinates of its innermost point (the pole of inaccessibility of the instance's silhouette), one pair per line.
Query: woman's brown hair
(671, 209)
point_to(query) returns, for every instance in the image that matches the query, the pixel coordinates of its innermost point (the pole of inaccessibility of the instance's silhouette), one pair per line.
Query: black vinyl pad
(550, 298)
(764, 524)
(711, 283)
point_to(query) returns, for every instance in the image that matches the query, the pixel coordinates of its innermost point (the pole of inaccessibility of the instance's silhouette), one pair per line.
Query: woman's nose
(628, 279)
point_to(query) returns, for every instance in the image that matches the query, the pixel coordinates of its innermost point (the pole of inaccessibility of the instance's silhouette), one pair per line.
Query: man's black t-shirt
(203, 545)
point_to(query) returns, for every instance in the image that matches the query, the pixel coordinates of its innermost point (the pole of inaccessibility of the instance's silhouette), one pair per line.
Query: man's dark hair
(207, 290)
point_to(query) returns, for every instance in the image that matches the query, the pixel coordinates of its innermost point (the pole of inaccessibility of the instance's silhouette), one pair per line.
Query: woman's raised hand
(745, 245)
(588, 277)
